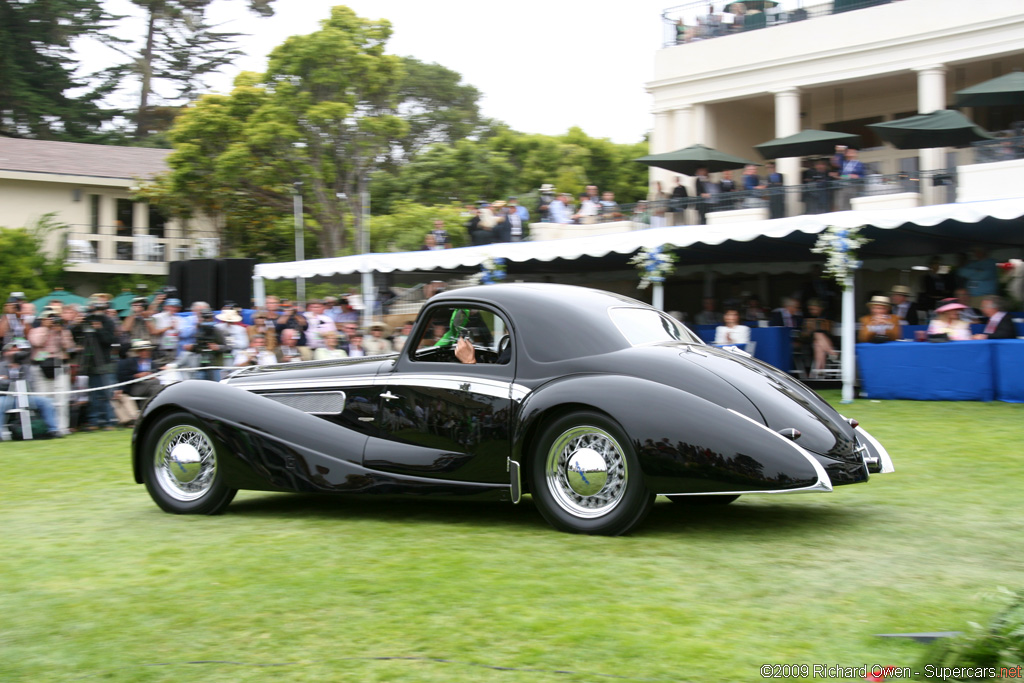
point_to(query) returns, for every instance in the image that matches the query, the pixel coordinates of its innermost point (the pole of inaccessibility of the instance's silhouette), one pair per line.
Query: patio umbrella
(123, 301)
(1006, 90)
(689, 159)
(943, 128)
(806, 143)
(751, 5)
(65, 298)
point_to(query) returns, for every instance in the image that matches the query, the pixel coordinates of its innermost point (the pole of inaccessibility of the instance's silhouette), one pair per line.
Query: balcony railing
(694, 22)
(1001, 149)
(90, 247)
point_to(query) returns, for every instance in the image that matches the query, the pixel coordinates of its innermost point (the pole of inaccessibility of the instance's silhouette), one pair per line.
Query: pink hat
(949, 305)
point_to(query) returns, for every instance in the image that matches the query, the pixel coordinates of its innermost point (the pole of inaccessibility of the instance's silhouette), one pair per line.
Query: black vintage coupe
(591, 402)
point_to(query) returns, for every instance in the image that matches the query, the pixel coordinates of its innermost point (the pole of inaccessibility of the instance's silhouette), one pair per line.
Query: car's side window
(463, 334)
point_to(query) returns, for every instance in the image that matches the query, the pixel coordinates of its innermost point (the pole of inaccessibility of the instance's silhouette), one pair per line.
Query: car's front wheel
(586, 478)
(179, 467)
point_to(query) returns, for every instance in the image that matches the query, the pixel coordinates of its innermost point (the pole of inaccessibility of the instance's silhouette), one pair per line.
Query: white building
(825, 68)
(90, 189)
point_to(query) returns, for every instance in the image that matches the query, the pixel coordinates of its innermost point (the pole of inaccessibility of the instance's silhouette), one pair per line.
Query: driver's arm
(464, 351)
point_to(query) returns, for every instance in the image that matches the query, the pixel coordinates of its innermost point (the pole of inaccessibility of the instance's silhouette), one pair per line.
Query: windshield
(647, 326)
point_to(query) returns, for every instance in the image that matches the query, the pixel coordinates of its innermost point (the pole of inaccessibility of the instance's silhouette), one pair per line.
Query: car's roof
(555, 322)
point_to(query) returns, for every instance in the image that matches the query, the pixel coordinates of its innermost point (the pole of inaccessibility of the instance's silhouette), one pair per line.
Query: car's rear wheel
(586, 478)
(703, 501)
(179, 467)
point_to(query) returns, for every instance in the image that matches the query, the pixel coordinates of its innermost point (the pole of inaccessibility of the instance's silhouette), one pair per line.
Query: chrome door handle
(387, 396)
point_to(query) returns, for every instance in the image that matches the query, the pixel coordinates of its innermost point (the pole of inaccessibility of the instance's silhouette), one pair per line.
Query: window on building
(869, 138)
(157, 222)
(94, 213)
(125, 217)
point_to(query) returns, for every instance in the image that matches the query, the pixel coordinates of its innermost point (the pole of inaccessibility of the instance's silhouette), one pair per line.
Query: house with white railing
(90, 189)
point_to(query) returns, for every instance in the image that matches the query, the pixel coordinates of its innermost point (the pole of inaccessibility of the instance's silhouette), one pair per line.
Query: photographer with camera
(11, 325)
(138, 324)
(15, 366)
(51, 343)
(292, 319)
(95, 335)
(208, 348)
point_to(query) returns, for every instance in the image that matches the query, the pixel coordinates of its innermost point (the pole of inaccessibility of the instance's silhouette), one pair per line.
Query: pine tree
(38, 70)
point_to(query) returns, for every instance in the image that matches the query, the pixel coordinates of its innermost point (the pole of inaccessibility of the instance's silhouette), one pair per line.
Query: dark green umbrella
(751, 5)
(943, 128)
(1006, 90)
(65, 298)
(123, 301)
(689, 159)
(806, 143)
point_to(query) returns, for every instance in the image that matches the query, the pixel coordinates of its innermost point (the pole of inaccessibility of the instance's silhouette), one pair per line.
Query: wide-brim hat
(949, 305)
(547, 187)
(229, 316)
(378, 325)
(902, 289)
(880, 301)
(141, 345)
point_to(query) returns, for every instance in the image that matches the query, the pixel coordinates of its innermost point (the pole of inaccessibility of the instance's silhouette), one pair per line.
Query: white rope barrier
(123, 384)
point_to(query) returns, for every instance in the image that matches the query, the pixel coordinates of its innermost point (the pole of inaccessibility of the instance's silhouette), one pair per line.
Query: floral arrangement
(840, 247)
(492, 271)
(653, 265)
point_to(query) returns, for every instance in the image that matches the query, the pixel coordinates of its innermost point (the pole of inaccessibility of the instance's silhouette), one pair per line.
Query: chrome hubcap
(186, 462)
(586, 472)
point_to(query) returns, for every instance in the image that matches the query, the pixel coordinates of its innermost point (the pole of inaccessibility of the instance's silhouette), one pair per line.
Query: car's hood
(783, 401)
(345, 368)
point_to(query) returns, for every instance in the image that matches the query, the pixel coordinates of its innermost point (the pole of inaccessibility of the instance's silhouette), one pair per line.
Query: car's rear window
(646, 326)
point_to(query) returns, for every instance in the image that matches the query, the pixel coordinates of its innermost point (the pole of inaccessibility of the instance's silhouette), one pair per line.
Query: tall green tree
(41, 94)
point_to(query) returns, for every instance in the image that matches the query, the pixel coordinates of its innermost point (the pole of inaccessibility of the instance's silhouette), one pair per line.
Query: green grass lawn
(96, 583)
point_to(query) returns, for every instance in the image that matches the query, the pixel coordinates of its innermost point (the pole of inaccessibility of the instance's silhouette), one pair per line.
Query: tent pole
(849, 359)
(258, 292)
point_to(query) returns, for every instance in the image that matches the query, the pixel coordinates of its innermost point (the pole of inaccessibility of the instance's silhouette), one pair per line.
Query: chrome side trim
(476, 384)
(312, 383)
(883, 454)
(823, 484)
(311, 402)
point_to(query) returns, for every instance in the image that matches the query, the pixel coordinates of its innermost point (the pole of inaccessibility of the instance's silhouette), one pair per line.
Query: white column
(682, 127)
(931, 96)
(703, 126)
(787, 122)
(661, 142)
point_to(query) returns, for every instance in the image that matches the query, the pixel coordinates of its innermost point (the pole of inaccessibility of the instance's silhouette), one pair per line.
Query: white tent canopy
(681, 236)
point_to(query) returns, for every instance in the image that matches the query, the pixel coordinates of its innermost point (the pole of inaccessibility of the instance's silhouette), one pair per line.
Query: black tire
(608, 503)
(703, 501)
(190, 482)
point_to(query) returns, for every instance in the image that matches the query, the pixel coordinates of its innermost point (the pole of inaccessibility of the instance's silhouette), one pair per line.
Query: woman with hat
(947, 324)
(330, 350)
(377, 344)
(230, 325)
(880, 325)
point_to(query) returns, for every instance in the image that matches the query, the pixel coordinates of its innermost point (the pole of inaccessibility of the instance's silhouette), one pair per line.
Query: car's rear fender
(685, 444)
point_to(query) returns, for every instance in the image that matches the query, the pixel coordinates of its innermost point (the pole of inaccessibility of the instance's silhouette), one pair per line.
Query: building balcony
(106, 251)
(692, 22)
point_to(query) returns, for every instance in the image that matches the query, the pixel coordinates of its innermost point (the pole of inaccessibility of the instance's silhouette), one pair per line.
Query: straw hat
(902, 289)
(880, 301)
(229, 316)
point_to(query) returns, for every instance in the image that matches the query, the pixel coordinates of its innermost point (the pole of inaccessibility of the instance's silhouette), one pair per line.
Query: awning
(912, 232)
(943, 128)
(1006, 90)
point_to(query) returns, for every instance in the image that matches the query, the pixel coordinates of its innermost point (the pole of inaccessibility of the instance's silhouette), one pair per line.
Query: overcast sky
(541, 66)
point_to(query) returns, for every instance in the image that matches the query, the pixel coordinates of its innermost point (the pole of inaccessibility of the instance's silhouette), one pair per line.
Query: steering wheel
(503, 345)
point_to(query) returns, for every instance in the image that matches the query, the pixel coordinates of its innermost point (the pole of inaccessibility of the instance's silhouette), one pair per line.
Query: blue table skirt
(952, 371)
(774, 344)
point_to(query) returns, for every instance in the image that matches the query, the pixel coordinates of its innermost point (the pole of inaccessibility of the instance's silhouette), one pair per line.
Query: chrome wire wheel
(586, 472)
(185, 463)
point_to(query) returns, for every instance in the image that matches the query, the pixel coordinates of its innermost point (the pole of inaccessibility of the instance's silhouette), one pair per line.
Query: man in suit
(999, 325)
(289, 350)
(788, 315)
(902, 307)
(707, 191)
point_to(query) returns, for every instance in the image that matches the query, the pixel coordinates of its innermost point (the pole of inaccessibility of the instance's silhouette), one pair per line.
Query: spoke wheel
(586, 478)
(180, 467)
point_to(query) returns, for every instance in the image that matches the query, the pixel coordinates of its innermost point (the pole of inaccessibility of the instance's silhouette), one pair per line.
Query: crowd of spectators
(948, 302)
(497, 221)
(66, 347)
